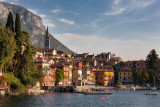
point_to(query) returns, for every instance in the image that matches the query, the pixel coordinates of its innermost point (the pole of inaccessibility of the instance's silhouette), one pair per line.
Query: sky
(127, 28)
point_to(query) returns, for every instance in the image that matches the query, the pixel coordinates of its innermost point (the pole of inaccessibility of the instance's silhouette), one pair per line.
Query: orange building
(61, 66)
(48, 72)
(49, 79)
(104, 77)
(125, 75)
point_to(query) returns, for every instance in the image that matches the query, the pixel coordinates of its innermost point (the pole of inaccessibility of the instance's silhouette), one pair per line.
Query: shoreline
(77, 90)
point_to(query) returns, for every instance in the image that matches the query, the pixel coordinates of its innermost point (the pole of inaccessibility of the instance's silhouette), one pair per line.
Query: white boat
(153, 88)
(152, 93)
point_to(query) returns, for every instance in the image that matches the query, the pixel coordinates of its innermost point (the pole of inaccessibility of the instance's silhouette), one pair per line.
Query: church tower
(47, 40)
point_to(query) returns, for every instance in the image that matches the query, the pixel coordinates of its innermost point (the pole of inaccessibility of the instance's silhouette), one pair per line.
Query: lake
(118, 99)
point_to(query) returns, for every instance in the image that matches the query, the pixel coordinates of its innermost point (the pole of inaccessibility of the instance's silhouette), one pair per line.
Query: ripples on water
(118, 99)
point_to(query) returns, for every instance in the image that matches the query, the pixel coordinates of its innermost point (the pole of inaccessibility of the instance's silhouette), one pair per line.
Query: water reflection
(118, 99)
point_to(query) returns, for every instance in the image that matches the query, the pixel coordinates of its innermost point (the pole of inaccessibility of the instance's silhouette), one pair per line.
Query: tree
(152, 74)
(144, 76)
(23, 61)
(61, 75)
(39, 76)
(10, 22)
(17, 26)
(152, 60)
(7, 46)
(118, 83)
(141, 76)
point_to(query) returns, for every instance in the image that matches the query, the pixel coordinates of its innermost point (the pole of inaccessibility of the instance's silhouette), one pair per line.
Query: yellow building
(105, 77)
(125, 75)
(40, 65)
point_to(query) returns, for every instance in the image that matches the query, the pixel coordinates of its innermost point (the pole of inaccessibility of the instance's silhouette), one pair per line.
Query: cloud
(66, 21)
(127, 49)
(34, 11)
(115, 11)
(48, 22)
(96, 44)
(3, 0)
(42, 15)
(119, 6)
(58, 11)
(122, 22)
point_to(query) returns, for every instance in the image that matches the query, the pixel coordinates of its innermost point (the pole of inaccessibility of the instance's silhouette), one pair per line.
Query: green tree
(144, 76)
(141, 76)
(152, 60)
(39, 76)
(10, 22)
(152, 73)
(17, 26)
(118, 82)
(7, 46)
(24, 66)
(61, 75)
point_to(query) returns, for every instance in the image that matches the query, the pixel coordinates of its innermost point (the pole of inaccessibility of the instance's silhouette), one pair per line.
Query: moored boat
(152, 93)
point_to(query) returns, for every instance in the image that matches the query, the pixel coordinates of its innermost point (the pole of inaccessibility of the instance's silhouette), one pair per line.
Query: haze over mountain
(32, 24)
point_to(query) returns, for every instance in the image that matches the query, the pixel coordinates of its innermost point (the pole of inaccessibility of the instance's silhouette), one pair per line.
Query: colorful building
(61, 66)
(104, 77)
(125, 75)
(49, 73)
(49, 79)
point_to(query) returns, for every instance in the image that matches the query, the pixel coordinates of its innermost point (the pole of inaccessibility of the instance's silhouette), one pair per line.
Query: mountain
(32, 24)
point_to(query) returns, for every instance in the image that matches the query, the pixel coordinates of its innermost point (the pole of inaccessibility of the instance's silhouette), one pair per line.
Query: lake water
(118, 99)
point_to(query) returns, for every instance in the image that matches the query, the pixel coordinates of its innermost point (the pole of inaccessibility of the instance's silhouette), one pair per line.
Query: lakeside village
(25, 68)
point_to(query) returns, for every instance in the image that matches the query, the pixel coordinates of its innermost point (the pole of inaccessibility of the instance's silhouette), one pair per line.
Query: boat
(96, 93)
(152, 93)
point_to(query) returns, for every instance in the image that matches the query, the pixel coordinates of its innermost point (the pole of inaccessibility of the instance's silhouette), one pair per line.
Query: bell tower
(47, 40)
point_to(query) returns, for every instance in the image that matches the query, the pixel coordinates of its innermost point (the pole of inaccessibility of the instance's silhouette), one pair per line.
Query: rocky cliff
(32, 24)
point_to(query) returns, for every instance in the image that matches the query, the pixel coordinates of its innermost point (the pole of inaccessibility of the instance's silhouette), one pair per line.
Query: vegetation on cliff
(16, 56)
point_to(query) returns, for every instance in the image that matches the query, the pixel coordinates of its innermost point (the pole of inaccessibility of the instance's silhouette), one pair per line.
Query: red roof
(4, 86)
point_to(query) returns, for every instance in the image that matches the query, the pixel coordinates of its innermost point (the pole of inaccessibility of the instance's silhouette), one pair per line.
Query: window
(120, 77)
(128, 73)
(124, 73)
(129, 77)
(101, 78)
(120, 73)
(39, 67)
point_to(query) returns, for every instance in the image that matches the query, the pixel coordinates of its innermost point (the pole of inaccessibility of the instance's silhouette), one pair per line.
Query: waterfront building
(125, 75)
(104, 77)
(77, 77)
(49, 79)
(61, 66)
(41, 64)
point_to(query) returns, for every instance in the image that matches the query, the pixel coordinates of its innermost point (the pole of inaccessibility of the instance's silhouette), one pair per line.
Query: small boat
(152, 93)
(97, 93)
(153, 88)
